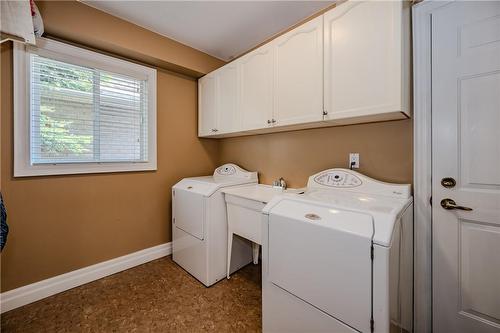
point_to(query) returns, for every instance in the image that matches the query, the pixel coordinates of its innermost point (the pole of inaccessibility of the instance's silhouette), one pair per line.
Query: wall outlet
(354, 160)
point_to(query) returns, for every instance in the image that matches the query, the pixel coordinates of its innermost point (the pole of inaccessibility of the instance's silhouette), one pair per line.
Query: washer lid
(356, 223)
(384, 210)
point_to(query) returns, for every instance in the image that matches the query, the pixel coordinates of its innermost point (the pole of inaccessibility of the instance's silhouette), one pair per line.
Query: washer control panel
(349, 180)
(337, 178)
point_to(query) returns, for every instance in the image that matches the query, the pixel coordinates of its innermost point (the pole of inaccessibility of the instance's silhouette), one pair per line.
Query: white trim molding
(422, 162)
(36, 291)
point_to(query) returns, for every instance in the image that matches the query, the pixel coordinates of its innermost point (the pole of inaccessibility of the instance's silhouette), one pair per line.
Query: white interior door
(466, 147)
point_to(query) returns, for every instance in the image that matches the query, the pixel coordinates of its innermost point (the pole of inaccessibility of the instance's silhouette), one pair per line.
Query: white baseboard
(36, 291)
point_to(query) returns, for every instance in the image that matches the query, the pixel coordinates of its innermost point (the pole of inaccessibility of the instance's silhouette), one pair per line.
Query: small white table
(244, 215)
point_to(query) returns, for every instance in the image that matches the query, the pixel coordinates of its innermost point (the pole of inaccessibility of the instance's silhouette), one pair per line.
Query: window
(78, 111)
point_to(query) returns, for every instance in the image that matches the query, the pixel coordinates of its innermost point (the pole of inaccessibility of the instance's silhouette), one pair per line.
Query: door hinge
(372, 252)
(372, 325)
(430, 201)
(173, 220)
(173, 193)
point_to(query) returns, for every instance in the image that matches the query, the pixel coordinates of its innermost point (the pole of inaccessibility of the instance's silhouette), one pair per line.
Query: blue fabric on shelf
(4, 227)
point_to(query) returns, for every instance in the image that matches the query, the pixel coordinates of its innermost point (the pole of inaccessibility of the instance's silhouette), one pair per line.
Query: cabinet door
(299, 74)
(227, 107)
(206, 105)
(363, 59)
(256, 88)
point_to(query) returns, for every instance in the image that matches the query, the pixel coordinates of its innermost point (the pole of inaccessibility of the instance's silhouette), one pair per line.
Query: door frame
(422, 162)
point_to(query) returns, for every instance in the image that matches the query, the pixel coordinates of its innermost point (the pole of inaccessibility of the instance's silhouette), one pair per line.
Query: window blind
(85, 115)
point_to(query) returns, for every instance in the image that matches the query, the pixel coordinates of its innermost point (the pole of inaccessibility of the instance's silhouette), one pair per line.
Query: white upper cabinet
(227, 99)
(349, 65)
(255, 72)
(218, 108)
(206, 105)
(298, 74)
(366, 45)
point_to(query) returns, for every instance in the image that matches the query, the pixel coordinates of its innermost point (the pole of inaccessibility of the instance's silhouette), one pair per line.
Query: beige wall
(385, 152)
(62, 223)
(76, 22)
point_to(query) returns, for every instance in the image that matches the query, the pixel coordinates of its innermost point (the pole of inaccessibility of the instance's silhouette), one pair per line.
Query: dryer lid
(199, 185)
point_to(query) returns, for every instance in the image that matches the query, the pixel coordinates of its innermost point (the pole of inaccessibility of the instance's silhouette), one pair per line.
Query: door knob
(448, 182)
(451, 204)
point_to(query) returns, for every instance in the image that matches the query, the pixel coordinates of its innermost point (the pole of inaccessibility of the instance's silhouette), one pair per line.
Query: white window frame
(83, 57)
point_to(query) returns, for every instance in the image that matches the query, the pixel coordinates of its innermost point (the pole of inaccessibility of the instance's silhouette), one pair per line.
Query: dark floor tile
(155, 297)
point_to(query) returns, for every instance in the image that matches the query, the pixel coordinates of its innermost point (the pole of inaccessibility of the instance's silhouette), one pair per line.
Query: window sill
(81, 168)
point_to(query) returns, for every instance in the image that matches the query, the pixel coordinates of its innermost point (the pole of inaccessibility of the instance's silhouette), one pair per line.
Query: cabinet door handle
(325, 113)
(273, 121)
(214, 129)
(269, 121)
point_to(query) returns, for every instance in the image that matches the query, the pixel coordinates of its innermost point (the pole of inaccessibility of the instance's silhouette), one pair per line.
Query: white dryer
(199, 224)
(339, 257)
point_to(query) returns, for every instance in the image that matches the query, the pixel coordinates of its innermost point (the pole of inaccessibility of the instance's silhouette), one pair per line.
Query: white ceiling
(223, 29)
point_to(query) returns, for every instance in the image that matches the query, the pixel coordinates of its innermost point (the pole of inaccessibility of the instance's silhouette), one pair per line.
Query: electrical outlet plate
(354, 160)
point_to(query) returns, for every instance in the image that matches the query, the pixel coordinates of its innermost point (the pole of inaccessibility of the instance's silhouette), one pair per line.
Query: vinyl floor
(158, 296)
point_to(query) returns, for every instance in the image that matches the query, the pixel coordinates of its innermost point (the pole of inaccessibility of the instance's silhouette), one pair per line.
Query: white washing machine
(199, 224)
(339, 257)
